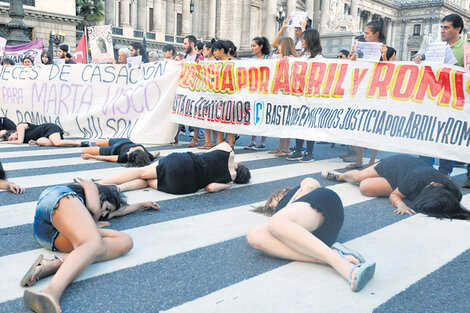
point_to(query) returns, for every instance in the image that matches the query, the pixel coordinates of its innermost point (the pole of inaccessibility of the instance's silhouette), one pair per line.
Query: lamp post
(55, 39)
(191, 7)
(280, 16)
(16, 26)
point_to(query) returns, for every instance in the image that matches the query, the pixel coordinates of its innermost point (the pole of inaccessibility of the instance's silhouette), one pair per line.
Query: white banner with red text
(393, 106)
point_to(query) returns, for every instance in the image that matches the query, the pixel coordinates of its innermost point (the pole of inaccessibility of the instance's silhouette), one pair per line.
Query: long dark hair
(243, 174)
(221, 44)
(138, 46)
(266, 209)
(3, 175)
(49, 57)
(138, 158)
(7, 134)
(263, 41)
(232, 49)
(377, 27)
(441, 201)
(312, 41)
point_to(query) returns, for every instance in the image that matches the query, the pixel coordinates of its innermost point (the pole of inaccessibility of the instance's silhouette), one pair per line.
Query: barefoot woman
(66, 220)
(305, 224)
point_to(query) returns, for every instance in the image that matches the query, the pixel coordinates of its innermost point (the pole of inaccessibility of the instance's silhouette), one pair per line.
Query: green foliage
(92, 12)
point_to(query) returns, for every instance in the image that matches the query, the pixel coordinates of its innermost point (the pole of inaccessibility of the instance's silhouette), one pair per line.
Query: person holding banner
(47, 134)
(405, 177)
(304, 226)
(184, 173)
(4, 184)
(120, 150)
(69, 219)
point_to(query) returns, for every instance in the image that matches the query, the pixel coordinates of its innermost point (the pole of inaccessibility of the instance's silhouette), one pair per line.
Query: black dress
(34, 132)
(409, 174)
(328, 203)
(183, 173)
(7, 124)
(120, 147)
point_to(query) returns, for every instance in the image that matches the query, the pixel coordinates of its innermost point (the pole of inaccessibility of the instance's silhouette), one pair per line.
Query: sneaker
(293, 148)
(467, 183)
(182, 133)
(84, 144)
(294, 156)
(251, 146)
(331, 175)
(191, 134)
(307, 158)
(260, 146)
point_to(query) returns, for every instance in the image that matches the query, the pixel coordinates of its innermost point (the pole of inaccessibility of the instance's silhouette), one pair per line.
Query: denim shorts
(44, 230)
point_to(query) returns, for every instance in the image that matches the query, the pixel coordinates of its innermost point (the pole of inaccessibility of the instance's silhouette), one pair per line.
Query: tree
(92, 12)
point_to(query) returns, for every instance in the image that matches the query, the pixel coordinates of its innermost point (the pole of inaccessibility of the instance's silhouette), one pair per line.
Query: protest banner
(31, 49)
(94, 101)
(296, 19)
(467, 55)
(100, 41)
(392, 106)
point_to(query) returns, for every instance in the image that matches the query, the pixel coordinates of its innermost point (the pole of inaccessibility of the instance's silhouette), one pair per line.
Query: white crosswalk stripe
(400, 262)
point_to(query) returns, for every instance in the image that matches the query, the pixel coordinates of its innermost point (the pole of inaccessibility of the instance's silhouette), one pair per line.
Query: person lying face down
(304, 227)
(405, 177)
(184, 173)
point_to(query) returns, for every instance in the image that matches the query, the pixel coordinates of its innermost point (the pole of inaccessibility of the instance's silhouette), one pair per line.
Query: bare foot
(349, 258)
(33, 142)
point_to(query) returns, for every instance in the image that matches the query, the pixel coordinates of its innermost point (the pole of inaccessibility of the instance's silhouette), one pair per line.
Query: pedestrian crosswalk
(192, 256)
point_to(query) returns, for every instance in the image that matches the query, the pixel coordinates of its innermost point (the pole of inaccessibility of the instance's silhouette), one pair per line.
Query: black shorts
(113, 143)
(50, 128)
(328, 203)
(386, 168)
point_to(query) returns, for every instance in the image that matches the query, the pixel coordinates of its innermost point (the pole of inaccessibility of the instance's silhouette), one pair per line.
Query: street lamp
(281, 16)
(16, 26)
(191, 7)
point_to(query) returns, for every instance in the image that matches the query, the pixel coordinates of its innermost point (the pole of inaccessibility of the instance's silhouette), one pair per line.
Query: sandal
(282, 154)
(365, 272)
(38, 301)
(346, 251)
(275, 151)
(205, 147)
(353, 166)
(193, 143)
(29, 279)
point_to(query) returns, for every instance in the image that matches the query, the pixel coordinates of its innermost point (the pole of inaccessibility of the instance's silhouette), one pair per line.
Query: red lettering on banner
(184, 76)
(338, 91)
(253, 79)
(458, 101)
(299, 71)
(434, 86)
(404, 81)
(281, 77)
(381, 77)
(242, 78)
(357, 77)
(264, 79)
(227, 79)
(198, 75)
(316, 73)
(217, 72)
(330, 79)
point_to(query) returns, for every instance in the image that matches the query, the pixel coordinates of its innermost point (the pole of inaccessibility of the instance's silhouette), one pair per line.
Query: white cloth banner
(94, 101)
(393, 106)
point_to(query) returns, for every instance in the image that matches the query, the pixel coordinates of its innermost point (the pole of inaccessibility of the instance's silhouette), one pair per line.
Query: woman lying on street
(304, 227)
(66, 220)
(4, 184)
(183, 173)
(120, 150)
(47, 134)
(6, 124)
(405, 177)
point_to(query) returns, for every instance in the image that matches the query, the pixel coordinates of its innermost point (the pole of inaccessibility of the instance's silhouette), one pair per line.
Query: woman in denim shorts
(67, 220)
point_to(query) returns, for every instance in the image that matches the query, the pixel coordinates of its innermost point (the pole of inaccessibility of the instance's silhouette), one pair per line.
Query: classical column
(316, 14)
(325, 7)
(157, 13)
(270, 25)
(187, 19)
(291, 6)
(246, 40)
(141, 14)
(124, 13)
(134, 14)
(309, 8)
(389, 32)
(356, 18)
(170, 17)
(109, 11)
(211, 19)
(196, 19)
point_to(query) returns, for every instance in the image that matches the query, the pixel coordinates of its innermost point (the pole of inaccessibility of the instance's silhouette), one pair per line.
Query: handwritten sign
(436, 52)
(467, 56)
(369, 51)
(134, 62)
(296, 19)
(100, 41)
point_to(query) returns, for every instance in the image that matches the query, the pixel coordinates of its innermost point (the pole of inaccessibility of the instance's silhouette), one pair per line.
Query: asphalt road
(192, 256)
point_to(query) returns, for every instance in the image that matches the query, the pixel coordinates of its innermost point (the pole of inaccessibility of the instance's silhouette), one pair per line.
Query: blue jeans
(445, 166)
(44, 229)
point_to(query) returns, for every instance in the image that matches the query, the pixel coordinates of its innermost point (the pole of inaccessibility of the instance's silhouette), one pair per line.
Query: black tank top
(211, 167)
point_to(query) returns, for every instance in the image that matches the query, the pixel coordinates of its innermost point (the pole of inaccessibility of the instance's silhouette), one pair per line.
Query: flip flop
(365, 272)
(353, 166)
(346, 251)
(30, 273)
(205, 147)
(38, 301)
(275, 151)
(282, 154)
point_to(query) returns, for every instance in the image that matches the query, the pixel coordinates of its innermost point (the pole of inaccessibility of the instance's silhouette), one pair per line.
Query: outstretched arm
(134, 207)
(396, 198)
(92, 197)
(275, 42)
(11, 186)
(109, 158)
(215, 187)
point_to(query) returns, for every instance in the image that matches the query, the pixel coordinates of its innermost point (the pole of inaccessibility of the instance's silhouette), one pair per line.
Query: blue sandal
(346, 251)
(365, 272)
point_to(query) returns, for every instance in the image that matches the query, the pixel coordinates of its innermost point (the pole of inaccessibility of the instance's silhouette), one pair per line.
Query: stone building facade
(43, 17)
(407, 22)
